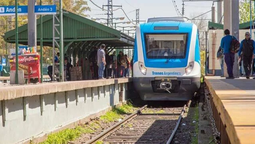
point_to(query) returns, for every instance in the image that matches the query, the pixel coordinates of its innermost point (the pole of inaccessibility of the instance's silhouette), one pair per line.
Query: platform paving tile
(246, 135)
(238, 99)
(242, 112)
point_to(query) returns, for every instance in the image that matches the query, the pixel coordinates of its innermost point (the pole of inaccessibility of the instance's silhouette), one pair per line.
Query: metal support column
(213, 14)
(137, 16)
(41, 45)
(58, 39)
(110, 14)
(32, 36)
(219, 12)
(17, 43)
(251, 18)
(32, 32)
(231, 22)
(61, 42)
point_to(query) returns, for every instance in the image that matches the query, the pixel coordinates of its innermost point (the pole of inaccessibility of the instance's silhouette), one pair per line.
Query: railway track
(147, 126)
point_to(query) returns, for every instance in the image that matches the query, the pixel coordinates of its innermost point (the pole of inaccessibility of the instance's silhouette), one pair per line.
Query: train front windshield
(166, 46)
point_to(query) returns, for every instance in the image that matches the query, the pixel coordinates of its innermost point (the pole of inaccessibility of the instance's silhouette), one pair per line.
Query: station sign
(23, 10)
(10, 10)
(45, 9)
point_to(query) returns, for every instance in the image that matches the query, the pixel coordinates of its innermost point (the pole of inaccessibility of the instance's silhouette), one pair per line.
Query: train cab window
(169, 46)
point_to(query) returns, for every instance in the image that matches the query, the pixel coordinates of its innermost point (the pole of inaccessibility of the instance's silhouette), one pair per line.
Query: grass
(195, 118)
(151, 111)
(117, 113)
(99, 142)
(64, 136)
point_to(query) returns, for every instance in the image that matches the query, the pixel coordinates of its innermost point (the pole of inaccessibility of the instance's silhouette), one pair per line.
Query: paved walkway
(238, 100)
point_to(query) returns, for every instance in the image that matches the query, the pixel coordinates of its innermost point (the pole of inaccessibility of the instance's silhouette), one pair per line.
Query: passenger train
(166, 62)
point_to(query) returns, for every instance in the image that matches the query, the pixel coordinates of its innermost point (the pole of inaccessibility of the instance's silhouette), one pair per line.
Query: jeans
(241, 67)
(123, 72)
(101, 69)
(222, 66)
(229, 60)
(247, 64)
(126, 72)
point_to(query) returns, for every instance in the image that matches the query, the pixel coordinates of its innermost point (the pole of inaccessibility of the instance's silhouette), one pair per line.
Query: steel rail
(115, 127)
(178, 123)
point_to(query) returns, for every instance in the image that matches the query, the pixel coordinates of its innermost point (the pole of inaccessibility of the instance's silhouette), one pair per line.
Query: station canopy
(78, 31)
(245, 25)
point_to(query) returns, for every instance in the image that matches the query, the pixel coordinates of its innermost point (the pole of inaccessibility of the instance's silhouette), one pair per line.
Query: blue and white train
(166, 62)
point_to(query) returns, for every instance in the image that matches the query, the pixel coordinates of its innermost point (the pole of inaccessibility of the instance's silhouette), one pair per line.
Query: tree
(201, 24)
(244, 11)
(76, 6)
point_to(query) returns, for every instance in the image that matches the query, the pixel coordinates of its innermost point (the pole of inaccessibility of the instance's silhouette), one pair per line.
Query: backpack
(247, 47)
(234, 45)
(220, 53)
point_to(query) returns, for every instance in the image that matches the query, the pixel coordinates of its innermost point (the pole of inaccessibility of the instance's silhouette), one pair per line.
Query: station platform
(234, 101)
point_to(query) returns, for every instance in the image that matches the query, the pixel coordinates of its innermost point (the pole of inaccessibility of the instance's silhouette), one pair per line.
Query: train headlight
(190, 67)
(142, 68)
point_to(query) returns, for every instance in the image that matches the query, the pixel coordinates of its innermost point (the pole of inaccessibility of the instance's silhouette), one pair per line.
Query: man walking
(101, 61)
(229, 56)
(247, 49)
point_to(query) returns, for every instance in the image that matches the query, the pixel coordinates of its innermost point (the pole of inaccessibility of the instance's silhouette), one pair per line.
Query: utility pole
(58, 40)
(251, 20)
(17, 43)
(32, 40)
(137, 17)
(110, 12)
(41, 45)
(219, 12)
(231, 22)
(182, 8)
(213, 14)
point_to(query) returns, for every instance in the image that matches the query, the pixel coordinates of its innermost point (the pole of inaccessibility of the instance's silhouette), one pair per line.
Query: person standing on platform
(93, 61)
(220, 58)
(127, 67)
(247, 49)
(226, 44)
(87, 73)
(119, 68)
(101, 61)
(114, 65)
(67, 68)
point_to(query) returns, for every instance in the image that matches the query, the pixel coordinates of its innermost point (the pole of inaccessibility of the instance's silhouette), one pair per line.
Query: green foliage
(63, 137)
(244, 10)
(99, 142)
(203, 58)
(196, 119)
(8, 23)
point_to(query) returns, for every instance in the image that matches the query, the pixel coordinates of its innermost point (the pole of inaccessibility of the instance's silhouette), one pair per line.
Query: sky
(151, 8)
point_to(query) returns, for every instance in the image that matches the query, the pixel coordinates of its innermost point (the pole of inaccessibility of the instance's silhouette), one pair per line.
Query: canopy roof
(77, 29)
(212, 25)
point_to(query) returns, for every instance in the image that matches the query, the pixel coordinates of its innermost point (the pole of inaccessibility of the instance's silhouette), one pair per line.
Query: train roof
(167, 19)
(169, 25)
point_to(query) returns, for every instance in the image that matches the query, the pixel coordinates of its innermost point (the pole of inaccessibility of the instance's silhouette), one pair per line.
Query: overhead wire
(129, 4)
(127, 16)
(102, 7)
(176, 8)
(97, 5)
(201, 15)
